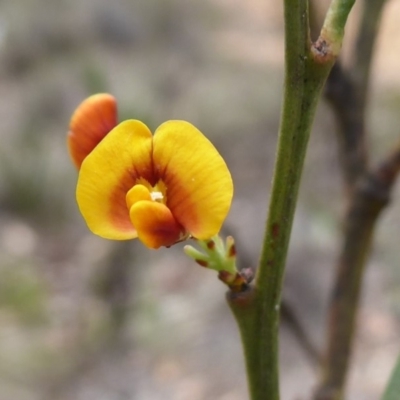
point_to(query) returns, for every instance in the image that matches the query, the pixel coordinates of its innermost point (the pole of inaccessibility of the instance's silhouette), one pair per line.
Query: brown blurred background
(82, 318)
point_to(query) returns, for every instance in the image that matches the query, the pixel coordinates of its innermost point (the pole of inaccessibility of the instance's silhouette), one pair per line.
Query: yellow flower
(159, 188)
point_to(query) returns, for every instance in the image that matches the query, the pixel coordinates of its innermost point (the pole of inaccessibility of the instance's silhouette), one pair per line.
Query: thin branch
(341, 93)
(347, 91)
(364, 48)
(371, 196)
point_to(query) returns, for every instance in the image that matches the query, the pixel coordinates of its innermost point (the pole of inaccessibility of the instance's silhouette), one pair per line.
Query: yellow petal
(155, 224)
(107, 174)
(199, 184)
(91, 121)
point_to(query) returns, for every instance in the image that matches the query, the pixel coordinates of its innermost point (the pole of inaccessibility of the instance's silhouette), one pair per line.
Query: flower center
(154, 222)
(144, 191)
(155, 196)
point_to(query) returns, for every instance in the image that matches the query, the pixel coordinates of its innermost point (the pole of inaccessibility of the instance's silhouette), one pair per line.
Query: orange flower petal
(91, 121)
(155, 224)
(199, 185)
(108, 173)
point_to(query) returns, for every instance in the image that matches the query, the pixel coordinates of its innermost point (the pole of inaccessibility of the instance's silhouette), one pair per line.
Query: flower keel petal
(155, 224)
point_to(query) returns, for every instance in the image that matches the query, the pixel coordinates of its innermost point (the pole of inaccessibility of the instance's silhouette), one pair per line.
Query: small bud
(194, 253)
(221, 257)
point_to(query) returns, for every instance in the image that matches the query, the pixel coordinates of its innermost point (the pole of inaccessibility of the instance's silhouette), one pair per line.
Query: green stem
(306, 69)
(335, 21)
(393, 388)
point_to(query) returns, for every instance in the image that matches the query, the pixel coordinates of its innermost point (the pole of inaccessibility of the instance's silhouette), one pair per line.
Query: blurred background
(83, 318)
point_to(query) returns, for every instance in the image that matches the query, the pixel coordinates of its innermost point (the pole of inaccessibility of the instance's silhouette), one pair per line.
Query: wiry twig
(341, 93)
(371, 195)
(364, 48)
(347, 91)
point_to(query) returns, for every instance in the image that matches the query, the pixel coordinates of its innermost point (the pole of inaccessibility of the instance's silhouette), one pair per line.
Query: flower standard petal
(107, 174)
(91, 121)
(199, 184)
(155, 224)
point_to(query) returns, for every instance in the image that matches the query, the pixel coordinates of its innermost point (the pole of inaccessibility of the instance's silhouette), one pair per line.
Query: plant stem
(307, 66)
(393, 388)
(371, 196)
(341, 94)
(347, 91)
(368, 193)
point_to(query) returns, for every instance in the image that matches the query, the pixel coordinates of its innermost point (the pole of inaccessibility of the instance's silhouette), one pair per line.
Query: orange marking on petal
(120, 161)
(155, 224)
(117, 210)
(199, 184)
(94, 118)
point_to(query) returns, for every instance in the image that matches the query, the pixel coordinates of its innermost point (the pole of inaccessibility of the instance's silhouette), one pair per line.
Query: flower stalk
(221, 257)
